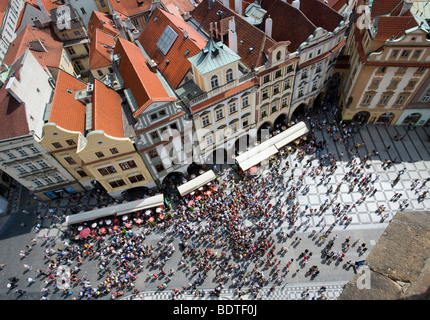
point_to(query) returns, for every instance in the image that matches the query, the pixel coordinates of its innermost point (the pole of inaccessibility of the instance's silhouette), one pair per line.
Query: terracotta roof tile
(66, 111)
(382, 7)
(144, 84)
(130, 7)
(182, 5)
(107, 110)
(99, 54)
(102, 21)
(247, 35)
(54, 48)
(178, 65)
(395, 27)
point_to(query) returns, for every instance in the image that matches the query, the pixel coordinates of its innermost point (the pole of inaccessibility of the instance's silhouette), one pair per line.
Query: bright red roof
(107, 112)
(66, 111)
(99, 53)
(102, 21)
(144, 83)
(178, 65)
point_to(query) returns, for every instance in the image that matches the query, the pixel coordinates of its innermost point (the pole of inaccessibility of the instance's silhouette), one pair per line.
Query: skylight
(166, 40)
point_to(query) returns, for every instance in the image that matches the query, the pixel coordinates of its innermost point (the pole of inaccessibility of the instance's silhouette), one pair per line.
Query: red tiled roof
(130, 7)
(102, 21)
(66, 111)
(54, 47)
(183, 6)
(46, 3)
(107, 111)
(100, 55)
(389, 27)
(382, 7)
(144, 84)
(13, 119)
(178, 67)
(247, 35)
(290, 24)
(224, 95)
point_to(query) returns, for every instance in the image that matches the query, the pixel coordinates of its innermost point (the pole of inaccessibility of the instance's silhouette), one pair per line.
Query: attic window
(187, 52)
(69, 91)
(166, 40)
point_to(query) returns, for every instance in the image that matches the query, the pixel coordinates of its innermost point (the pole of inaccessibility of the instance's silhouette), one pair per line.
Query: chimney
(407, 5)
(232, 35)
(238, 6)
(268, 26)
(296, 4)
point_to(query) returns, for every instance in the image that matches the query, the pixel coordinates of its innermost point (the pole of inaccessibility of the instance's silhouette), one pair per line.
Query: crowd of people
(229, 233)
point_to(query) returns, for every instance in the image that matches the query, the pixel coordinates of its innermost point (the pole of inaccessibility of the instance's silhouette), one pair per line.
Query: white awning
(117, 209)
(142, 204)
(196, 183)
(258, 158)
(271, 146)
(91, 215)
(293, 136)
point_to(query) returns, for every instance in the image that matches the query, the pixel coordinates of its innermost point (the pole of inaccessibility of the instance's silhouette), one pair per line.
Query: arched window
(229, 75)
(214, 82)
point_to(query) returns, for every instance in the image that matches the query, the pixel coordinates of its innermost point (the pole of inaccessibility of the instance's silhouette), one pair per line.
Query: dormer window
(229, 75)
(214, 82)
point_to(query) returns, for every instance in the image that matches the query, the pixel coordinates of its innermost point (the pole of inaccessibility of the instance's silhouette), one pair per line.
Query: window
(83, 11)
(33, 149)
(305, 73)
(152, 154)
(276, 89)
(214, 82)
(382, 69)
(135, 22)
(21, 152)
(263, 113)
(417, 53)
(265, 93)
(113, 150)
(278, 73)
(153, 116)
(100, 73)
(37, 183)
(395, 53)
(20, 169)
(56, 145)
(117, 183)
(71, 51)
(102, 3)
(174, 126)
(154, 135)
(375, 83)
(31, 166)
(136, 178)
(81, 172)
(70, 160)
(233, 127)
(421, 70)
(384, 100)
(401, 70)
(290, 69)
(162, 112)
(411, 84)
(426, 98)
(107, 170)
(245, 122)
(209, 139)
(42, 164)
(166, 40)
(77, 33)
(266, 79)
(367, 99)
(394, 84)
(287, 84)
(48, 180)
(245, 102)
(219, 114)
(400, 100)
(300, 93)
(100, 154)
(127, 165)
(284, 102)
(405, 53)
(58, 177)
(159, 167)
(71, 142)
(10, 155)
(229, 75)
(205, 121)
(232, 107)
(274, 108)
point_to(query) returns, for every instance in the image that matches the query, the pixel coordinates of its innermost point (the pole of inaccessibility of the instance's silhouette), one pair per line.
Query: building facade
(389, 64)
(9, 17)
